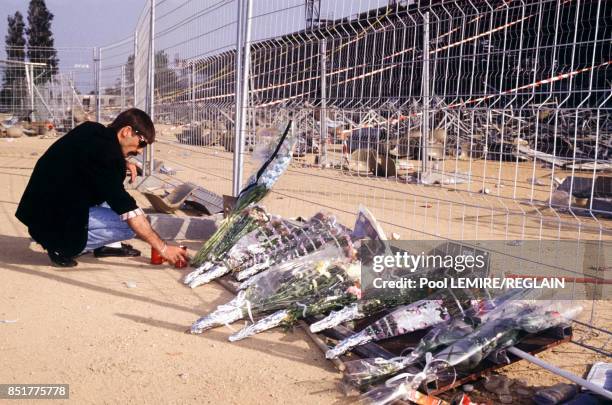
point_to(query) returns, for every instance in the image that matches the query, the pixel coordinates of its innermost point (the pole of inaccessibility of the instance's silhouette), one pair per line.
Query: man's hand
(133, 171)
(142, 228)
(174, 254)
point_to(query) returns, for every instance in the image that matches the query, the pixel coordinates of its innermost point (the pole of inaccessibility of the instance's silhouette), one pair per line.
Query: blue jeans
(106, 227)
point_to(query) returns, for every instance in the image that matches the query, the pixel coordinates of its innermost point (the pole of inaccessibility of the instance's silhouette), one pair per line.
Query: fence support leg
(122, 87)
(323, 112)
(243, 57)
(31, 81)
(192, 82)
(98, 84)
(151, 84)
(426, 99)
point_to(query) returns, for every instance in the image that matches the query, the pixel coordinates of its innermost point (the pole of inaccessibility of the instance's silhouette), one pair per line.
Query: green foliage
(14, 74)
(40, 41)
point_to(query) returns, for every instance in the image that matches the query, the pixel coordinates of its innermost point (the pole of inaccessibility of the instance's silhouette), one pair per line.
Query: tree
(13, 81)
(40, 41)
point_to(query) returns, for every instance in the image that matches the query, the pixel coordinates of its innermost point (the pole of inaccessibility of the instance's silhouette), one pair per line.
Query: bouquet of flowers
(264, 226)
(278, 241)
(366, 372)
(503, 328)
(366, 307)
(290, 245)
(436, 308)
(363, 373)
(404, 319)
(278, 289)
(258, 186)
(345, 290)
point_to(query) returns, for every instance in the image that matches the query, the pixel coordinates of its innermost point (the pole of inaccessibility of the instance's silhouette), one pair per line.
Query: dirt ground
(114, 344)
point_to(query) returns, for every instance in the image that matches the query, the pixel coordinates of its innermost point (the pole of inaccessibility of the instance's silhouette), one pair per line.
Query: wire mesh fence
(51, 88)
(194, 85)
(116, 78)
(451, 119)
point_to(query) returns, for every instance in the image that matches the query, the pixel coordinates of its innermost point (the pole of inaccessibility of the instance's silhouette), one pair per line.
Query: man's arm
(141, 226)
(131, 166)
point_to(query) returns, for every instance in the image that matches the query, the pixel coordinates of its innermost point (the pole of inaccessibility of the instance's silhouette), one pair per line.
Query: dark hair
(138, 120)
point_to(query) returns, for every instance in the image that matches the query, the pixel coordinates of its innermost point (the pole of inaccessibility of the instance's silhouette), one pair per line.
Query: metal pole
(72, 100)
(31, 80)
(62, 82)
(323, 118)
(237, 170)
(151, 84)
(426, 99)
(122, 87)
(135, 70)
(192, 83)
(98, 84)
(246, 62)
(574, 378)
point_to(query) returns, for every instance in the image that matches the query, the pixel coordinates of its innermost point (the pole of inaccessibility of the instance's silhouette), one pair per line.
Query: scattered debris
(600, 374)
(130, 284)
(468, 388)
(167, 170)
(8, 320)
(557, 394)
(535, 181)
(498, 384)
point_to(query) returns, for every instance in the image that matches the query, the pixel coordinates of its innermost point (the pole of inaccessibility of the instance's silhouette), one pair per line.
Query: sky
(184, 28)
(82, 23)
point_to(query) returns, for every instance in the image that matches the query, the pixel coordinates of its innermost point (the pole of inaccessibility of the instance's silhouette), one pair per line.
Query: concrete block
(170, 227)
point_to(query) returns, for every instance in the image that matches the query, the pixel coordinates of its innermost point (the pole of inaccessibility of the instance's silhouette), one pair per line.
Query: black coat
(82, 169)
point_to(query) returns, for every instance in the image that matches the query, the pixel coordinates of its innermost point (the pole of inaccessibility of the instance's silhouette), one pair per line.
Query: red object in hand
(156, 257)
(181, 263)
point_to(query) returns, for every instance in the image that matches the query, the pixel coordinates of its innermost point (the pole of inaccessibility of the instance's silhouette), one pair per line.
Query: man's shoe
(60, 260)
(124, 251)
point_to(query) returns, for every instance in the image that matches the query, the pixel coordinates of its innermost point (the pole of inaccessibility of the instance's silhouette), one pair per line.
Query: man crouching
(75, 201)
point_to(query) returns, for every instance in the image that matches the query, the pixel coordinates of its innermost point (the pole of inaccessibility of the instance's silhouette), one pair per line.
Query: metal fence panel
(62, 96)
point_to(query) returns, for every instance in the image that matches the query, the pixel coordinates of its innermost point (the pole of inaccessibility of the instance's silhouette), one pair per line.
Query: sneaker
(60, 260)
(124, 251)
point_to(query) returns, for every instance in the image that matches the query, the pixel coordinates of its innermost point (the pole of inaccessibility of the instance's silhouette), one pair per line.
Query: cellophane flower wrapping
(340, 288)
(253, 244)
(292, 244)
(298, 281)
(258, 186)
(363, 373)
(403, 320)
(231, 229)
(504, 327)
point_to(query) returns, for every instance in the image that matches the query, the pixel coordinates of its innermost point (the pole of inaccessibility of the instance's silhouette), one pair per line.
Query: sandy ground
(115, 344)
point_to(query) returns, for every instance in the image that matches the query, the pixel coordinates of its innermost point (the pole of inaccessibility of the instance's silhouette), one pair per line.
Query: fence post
(135, 69)
(426, 99)
(98, 84)
(31, 80)
(151, 80)
(323, 112)
(72, 100)
(192, 83)
(122, 87)
(243, 38)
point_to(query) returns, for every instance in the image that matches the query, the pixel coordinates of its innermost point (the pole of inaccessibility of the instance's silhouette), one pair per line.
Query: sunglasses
(142, 142)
